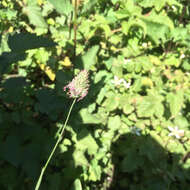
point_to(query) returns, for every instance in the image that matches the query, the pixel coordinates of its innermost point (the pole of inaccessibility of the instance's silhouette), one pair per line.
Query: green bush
(132, 130)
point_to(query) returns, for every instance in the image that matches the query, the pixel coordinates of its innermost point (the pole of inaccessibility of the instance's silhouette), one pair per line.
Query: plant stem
(75, 29)
(53, 151)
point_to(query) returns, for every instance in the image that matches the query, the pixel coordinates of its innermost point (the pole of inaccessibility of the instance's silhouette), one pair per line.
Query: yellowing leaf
(66, 62)
(147, 81)
(155, 60)
(48, 71)
(40, 2)
(10, 30)
(42, 66)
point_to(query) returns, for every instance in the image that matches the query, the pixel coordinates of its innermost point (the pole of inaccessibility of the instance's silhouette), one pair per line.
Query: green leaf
(86, 141)
(172, 60)
(88, 117)
(34, 14)
(114, 123)
(150, 3)
(62, 6)
(117, 68)
(150, 105)
(88, 6)
(130, 9)
(95, 171)
(10, 14)
(133, 23)
(77, 185)
(128, 108)
(79, 158)
(186, 65)
(89, 58)
(175, 102)
(154, 33)
(181, 122)
(111, 103)
(155, 21)
(180, 35)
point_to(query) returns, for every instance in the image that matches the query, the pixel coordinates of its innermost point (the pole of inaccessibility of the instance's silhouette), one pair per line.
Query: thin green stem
(54, 148)
(75, 28)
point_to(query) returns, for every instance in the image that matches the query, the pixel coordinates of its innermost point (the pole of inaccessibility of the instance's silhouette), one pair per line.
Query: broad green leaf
(62, 6)
(150, 3)
(172, 60)
(181, 122)
(111, 103)
(158, 138)
(88, 6)
(186, 65)
(150, 105)
(175, 101)
(146, 82)
(10, 14)
(79, 158)
(176, 147)
(106, 138)
(154, 22)
(146, 63)
(101, 75)
(94, 171)
(175, 3)
(77, 185)
(180, 35)
(117, 68)
(34, 14)
(128, 108)
(89, 58)
(129, 10)
(101, 22)
(86, 142)
(154, 33)
(126, 25)
(101, 96)
(114, 123)
(186, 166)
(89, 118)
(160, 18)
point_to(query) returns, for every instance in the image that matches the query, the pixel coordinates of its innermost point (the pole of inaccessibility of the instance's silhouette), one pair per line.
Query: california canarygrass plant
(77, 89)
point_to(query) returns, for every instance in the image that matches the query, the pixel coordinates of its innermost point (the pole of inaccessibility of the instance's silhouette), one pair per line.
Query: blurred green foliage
(137, 52)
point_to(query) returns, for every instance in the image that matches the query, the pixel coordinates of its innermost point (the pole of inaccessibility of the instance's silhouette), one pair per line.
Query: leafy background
(117, 137)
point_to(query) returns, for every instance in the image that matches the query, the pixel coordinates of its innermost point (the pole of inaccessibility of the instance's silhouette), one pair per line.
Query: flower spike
(78, 87)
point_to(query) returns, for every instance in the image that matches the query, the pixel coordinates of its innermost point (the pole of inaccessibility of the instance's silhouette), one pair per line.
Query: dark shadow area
(141, 163)
(30, 116)
(29, 119)
(27, 130)
(18, 44)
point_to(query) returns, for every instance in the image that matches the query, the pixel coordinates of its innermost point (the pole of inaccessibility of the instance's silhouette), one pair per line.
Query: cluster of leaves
(137, 52)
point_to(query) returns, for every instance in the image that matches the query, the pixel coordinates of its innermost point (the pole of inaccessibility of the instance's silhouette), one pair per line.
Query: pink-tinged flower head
(78, 87)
